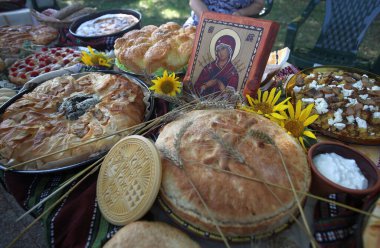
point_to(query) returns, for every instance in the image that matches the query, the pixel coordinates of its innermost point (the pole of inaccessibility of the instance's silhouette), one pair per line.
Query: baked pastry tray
(324, 69)
(64, 72)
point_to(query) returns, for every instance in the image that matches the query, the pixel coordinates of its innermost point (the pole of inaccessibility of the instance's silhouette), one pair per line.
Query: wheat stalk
(177, 146)
(76, 146)
(170, 156)
(207, 209)
(287, 188)
(172, 99)
(139, 128)
(267, 139)
(61, 187)
(51, 207)
(239, 157)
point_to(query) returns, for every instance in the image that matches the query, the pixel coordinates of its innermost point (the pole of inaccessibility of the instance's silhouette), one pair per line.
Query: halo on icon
(222, 32)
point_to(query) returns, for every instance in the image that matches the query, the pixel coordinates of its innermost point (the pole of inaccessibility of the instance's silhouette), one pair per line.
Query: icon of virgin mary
(220, 73)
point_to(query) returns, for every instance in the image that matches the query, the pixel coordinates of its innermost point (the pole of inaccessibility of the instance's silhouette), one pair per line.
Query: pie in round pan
(216, 150)
(67, 111)
(46, 60)
(346, 99)
(106, 24)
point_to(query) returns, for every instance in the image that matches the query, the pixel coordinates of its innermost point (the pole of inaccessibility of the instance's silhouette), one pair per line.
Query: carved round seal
(129, 180)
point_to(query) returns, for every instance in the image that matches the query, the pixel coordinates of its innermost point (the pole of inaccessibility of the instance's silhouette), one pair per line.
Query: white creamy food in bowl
(106, 24)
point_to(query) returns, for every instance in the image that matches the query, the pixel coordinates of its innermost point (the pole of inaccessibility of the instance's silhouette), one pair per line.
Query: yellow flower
(95, 58)
(265, 104)
(297, 121)
(166, 85)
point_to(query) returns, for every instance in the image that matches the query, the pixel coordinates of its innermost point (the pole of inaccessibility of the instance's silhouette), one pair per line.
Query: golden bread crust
(43, 121)
(241, 206)
(144, 51)
(150, 234)
(13, 37)
(43, 35)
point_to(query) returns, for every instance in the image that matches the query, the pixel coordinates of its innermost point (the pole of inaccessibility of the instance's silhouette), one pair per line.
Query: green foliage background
(157, 12)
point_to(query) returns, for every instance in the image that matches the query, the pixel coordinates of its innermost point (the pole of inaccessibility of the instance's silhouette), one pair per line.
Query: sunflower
(95, 58)
(297, 120)
(265, 104)
(166, 85)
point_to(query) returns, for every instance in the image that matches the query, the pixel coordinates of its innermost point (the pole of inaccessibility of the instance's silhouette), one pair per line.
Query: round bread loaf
(146, 50)
(150, 234)
(65, 111)
(229, 140)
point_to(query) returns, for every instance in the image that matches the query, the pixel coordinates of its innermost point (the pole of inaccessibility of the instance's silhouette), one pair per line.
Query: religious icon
(230, 53)
(221, 72)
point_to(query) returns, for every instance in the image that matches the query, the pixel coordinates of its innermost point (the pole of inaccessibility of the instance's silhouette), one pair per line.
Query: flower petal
(298, 109)
(91, 50)
(276, 97)
(309, 134)
(278, 116)
(306, 112)
(280, 108)
(265, 96)
(284, 101)
(291, 110)
(249, 99)
(310, 120)
(271, 96)
(246, 108)
(259, 94)
(284, 113)
(303, 144)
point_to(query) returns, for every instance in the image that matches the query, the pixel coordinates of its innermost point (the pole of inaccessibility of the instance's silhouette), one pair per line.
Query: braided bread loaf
(146, 50)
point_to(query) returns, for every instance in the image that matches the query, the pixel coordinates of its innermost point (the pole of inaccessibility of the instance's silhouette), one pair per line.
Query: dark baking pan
(75, 25)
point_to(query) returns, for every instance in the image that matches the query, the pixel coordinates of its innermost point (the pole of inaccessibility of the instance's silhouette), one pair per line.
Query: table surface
(77, 222)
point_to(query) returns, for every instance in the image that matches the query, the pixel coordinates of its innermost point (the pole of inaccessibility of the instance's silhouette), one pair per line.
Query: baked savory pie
(106, 24)
(66, 111)
(347, 103)
(144, 234)
(228, 141)
(46, 60)
(13, 37)
(146, 50)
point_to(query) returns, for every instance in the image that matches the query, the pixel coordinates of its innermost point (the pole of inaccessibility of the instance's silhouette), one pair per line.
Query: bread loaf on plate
(226, 155)
(146, 50)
